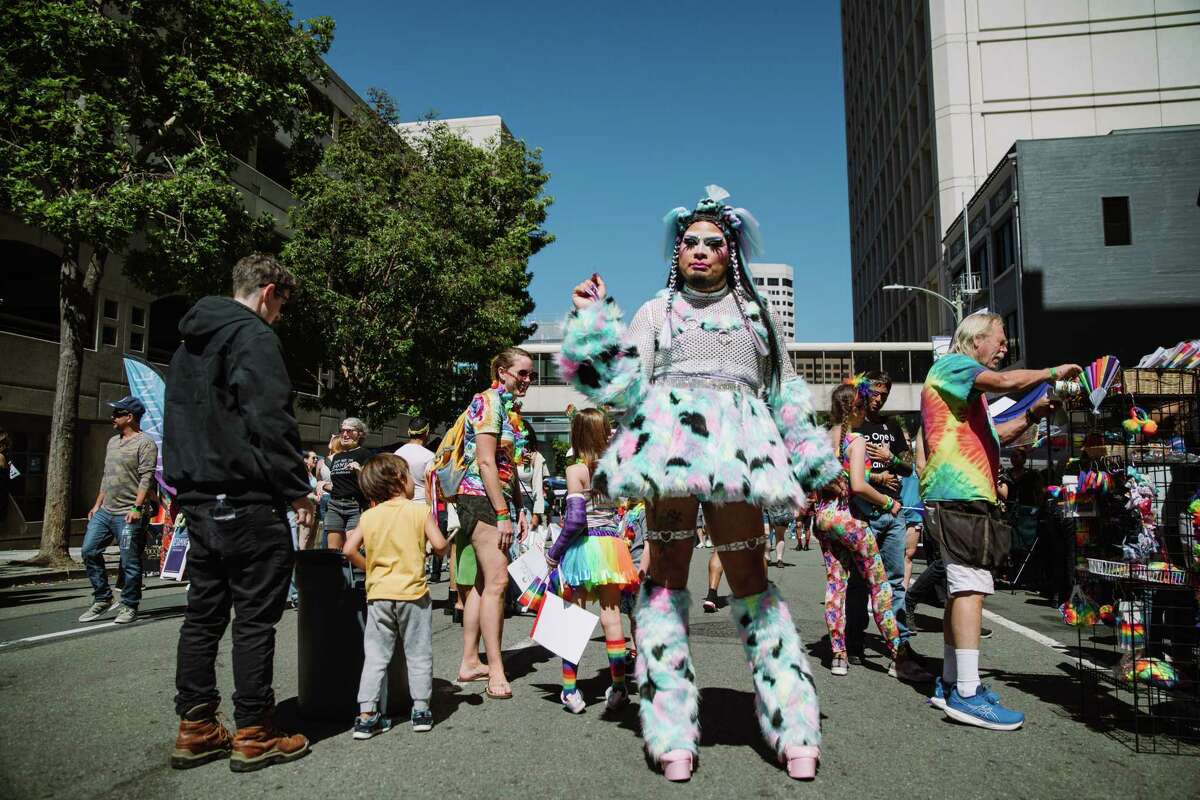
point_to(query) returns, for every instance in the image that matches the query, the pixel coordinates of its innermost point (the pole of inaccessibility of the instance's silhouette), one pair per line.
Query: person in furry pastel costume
(712, 413)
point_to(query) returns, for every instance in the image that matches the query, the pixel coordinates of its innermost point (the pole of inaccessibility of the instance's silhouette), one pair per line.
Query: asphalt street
(91, 715)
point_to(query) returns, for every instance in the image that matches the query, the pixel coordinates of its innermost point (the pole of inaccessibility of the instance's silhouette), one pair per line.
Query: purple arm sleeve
(574, 523)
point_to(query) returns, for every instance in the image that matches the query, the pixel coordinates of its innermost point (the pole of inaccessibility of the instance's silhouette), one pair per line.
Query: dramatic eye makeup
(711, 242)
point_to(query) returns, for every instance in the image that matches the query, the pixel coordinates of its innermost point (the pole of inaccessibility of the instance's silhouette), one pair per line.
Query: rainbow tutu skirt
(598, 558)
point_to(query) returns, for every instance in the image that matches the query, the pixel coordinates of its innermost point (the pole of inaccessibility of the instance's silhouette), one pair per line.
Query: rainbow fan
(1097, 377)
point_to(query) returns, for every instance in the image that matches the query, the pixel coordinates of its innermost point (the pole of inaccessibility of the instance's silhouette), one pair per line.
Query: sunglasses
(524, 374)
(350, 431)
(119, 414)
(284, 293)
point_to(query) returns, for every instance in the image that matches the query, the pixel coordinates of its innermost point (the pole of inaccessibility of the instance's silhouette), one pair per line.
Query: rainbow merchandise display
(1107, 615)
(1153, 671)
(1139, 423)
(1093, 481)
(1097, 378)
(1185, 355)
(1131, 625)
(1080, 611)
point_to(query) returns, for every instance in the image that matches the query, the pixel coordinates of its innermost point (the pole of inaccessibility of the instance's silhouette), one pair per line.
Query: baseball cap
(131, 404)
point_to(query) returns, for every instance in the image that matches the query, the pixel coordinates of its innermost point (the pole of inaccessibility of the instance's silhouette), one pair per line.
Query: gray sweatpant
(412, 622)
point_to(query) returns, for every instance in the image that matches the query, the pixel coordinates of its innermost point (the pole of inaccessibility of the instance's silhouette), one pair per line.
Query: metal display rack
(1140, 673)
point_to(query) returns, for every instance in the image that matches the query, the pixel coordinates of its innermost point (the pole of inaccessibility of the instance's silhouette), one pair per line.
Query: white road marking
(58, 634)
(1040, 638)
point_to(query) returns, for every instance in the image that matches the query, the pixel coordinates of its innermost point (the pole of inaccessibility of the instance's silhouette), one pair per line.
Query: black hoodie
(229, 427)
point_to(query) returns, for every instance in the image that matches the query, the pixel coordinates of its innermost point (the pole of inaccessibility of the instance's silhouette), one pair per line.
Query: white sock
(949, 666)
(968, 672)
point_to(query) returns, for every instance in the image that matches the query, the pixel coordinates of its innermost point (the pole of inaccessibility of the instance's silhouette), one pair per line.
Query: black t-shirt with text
(344, 477)
(887, 433)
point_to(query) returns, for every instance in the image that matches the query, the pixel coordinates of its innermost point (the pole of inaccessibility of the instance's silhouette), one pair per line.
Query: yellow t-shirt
(394, 535)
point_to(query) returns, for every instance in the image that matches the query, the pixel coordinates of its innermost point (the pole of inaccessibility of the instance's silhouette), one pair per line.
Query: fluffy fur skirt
(594, 560)
(717, 446)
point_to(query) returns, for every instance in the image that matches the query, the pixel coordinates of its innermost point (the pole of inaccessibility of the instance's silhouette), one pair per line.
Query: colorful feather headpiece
(861, 384)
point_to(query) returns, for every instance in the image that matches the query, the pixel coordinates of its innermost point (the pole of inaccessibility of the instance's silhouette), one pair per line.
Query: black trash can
(332, 614)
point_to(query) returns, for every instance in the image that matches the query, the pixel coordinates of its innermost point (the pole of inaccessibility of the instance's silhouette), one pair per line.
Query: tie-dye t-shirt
(961, 446)
(492, 411)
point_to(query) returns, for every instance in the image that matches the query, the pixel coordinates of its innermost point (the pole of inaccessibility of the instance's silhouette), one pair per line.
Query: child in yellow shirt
(393, 533)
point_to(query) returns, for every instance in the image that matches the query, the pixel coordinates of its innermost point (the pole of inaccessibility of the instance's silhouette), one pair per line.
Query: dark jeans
(102, 529)
(930, 586)
(246, 563)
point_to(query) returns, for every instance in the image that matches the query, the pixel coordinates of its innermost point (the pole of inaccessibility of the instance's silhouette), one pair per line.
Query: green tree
(412, 252)
(117, 124)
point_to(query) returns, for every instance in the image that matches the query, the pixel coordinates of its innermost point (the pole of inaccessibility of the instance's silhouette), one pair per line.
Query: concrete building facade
(774, 282)
(479, 131)
(1088, 246)
(936, 92)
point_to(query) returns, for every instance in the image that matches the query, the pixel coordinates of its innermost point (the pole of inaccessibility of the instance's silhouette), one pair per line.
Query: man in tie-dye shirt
(962, 449)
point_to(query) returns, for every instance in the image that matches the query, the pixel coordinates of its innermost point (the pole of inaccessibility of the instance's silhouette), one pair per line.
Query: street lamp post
(956, 305)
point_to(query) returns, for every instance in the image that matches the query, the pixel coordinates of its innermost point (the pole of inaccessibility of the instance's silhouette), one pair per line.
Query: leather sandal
(677, 765)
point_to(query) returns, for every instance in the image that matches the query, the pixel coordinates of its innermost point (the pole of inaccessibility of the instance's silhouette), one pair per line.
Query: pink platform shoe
(801, 761)
(677, 765)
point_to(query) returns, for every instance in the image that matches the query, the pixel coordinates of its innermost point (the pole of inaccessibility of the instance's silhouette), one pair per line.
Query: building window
(29, 288)
(1117, 230)
(108, 336)
(772, 281)
(112, 310)
(787, 281)
(758, 282)
(1013, 332)
(1003, 245)
(137, 329)
(162, 332)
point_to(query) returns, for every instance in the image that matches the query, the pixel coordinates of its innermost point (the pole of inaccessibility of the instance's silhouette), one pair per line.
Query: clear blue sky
(636, 107)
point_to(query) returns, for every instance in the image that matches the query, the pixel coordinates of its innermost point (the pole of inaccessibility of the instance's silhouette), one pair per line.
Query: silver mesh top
(709, 339)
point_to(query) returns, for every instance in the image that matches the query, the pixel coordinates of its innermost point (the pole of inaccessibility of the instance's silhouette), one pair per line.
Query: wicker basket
(1107, 569)
(1159, 381)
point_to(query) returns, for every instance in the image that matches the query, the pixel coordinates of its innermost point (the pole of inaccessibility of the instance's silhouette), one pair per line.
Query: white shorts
(961, 578)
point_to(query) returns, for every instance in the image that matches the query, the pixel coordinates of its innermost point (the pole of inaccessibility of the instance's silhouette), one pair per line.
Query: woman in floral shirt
(487, 499)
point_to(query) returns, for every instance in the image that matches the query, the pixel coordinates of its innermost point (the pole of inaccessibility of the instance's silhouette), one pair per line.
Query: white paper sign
(13, 472)
(563, 629)
(175, 564)
(529, 567)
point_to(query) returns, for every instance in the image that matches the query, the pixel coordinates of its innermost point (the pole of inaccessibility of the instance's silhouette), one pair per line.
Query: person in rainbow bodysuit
(713, 415)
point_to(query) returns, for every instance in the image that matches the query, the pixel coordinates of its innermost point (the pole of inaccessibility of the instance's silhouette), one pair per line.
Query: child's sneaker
(422, 720)
(938, 698)
(983, 710)
(366, 727)
(615, 699)
(573, 702)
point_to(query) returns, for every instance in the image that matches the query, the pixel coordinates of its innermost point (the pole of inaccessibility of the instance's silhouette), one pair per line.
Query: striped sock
(568, 677)
(616, 660)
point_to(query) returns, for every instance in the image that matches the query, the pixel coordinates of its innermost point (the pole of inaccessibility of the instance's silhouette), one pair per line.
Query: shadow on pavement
(289, 718)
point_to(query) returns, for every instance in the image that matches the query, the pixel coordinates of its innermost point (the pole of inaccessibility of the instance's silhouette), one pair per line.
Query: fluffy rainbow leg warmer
(786, 701)
(670, 701)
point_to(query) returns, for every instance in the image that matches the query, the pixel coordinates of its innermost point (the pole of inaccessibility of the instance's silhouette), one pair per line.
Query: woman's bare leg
(491, 582)
(471, 668)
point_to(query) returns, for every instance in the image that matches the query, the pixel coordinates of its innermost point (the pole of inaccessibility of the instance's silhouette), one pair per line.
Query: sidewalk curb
(50, 576)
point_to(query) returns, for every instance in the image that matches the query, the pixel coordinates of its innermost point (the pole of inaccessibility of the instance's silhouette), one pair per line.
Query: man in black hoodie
(231, 449)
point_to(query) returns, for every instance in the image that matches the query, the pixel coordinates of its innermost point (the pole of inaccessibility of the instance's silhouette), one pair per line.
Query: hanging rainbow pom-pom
(1139, 422)
(1107, 615)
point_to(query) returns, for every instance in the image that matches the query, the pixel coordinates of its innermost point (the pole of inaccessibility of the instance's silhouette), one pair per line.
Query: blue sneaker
(983, 710)
(938, 698)
(365, 728)
(422, 720)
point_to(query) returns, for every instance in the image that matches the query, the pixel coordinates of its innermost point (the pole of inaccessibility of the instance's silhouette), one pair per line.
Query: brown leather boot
(259, 746)
(202, 738)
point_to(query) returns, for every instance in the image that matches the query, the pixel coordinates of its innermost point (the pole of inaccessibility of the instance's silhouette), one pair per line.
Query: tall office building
(774, 282)
(937, 92)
